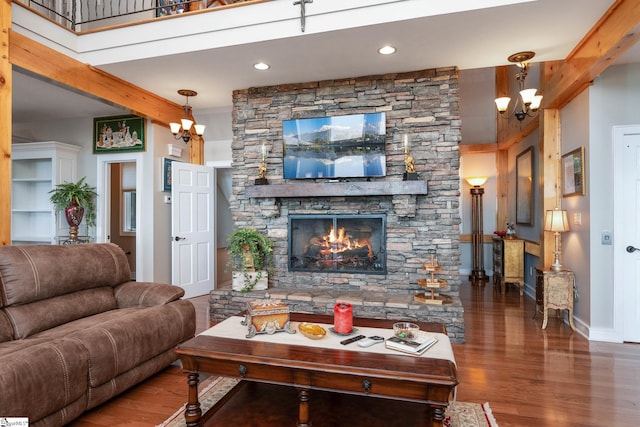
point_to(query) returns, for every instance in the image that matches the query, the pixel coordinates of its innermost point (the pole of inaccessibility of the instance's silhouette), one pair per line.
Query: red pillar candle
(342, 318)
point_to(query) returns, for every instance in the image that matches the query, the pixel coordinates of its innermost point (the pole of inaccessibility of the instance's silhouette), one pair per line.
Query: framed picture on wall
(118, 133)
(573, 183)
(166, 173)
(524, 187)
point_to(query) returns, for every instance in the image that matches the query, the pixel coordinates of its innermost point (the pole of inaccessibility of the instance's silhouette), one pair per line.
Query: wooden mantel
(338, 189)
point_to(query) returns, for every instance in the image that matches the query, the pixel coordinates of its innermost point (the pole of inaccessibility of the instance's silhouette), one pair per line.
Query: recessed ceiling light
(386, 50)
(261, 66)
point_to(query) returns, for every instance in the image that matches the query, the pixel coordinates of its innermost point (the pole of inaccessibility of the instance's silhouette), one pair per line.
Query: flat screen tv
(335, 147)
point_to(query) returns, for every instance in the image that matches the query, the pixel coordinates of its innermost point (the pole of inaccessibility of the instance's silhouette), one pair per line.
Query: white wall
(217, 135)
(575, 253)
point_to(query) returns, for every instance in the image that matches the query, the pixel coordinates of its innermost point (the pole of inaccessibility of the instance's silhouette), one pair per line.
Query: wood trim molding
(616, 31)
(6, 84)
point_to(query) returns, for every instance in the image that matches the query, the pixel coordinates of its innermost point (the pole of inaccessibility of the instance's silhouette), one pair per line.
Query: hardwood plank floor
(530, 376)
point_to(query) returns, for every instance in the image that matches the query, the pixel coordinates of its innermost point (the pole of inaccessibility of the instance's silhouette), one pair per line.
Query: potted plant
(77, 199)
(250, 259)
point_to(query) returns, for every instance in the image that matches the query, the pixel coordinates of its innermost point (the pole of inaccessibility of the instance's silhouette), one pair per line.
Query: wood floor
(530, 376)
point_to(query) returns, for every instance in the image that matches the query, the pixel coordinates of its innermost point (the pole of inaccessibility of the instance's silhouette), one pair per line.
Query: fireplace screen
(337, 243)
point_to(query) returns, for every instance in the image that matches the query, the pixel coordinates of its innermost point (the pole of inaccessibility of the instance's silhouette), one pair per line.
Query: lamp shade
(502, 103)
(556, 221)
(528, 95)
(477, 181)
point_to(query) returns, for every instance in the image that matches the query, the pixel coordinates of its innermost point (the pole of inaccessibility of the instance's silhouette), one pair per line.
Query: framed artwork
(118, 133)
(573, 183)
(166, 173)
(524, 187)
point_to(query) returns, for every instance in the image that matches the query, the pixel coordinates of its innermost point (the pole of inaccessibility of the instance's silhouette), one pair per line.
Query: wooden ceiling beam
(616, 31)
(491, 147)
(51, 64)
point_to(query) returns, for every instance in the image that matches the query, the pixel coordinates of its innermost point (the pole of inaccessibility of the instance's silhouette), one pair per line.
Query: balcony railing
(78, 15)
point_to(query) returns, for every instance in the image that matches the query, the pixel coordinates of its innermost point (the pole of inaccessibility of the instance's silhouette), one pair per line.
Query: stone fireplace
(417, 217)
(330, 243)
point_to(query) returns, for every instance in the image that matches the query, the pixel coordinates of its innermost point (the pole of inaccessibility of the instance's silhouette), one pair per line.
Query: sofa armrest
(146, 294)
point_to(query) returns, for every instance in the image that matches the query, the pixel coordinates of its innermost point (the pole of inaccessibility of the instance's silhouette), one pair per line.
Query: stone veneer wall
(423, 104)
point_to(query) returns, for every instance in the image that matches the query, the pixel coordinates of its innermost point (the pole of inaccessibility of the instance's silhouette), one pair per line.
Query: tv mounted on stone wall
(335, 147)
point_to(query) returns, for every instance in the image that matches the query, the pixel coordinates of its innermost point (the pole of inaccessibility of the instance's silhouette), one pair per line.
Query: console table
(554, 290)
(508, 262)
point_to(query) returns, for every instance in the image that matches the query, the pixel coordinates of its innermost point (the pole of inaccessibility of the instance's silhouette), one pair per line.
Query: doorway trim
(144, 271)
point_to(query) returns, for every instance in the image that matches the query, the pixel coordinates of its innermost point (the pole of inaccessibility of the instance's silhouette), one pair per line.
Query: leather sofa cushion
(29, 319)
(6, 330)
(122, 339)
(42, 377)
(32, 273)
(146, 294)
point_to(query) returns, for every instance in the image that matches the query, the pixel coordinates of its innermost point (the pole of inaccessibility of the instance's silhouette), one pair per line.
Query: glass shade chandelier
(185, 129)
(529, 102)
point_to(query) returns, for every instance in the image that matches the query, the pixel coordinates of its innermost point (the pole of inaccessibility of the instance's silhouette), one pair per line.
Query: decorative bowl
(311, 330)
(405, 330)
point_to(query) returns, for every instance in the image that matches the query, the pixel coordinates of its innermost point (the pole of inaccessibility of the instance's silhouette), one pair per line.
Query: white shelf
(36, 168)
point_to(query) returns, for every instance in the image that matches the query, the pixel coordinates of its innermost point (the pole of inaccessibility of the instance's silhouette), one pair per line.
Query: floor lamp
(556, 221)
(478, 275)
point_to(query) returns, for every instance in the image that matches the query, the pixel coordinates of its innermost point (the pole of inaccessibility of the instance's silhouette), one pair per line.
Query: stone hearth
(421, 216)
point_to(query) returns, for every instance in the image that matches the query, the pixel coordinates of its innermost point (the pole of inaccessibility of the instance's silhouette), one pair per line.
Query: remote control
(368, 342)
(353, 339)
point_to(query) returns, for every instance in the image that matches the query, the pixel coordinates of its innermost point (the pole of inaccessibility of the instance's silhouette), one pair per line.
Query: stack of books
(415, 345)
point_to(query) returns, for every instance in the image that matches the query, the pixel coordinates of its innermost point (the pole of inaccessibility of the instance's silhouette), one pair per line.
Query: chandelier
(186, 127)
(529, 101)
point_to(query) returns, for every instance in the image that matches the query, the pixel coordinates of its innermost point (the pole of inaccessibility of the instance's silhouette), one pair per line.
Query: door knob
(178, 238)
(631, 249)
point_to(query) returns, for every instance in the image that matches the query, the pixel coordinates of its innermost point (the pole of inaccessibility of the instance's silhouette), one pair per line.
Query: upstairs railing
(78, 15)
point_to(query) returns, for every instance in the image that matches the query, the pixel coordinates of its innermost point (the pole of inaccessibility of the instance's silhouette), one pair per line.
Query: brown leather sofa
(75, 331)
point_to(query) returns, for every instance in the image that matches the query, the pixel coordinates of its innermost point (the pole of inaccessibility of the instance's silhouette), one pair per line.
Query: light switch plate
(606, 237)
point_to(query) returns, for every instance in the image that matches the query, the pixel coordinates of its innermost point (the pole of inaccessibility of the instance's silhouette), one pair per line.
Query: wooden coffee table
(393, 376)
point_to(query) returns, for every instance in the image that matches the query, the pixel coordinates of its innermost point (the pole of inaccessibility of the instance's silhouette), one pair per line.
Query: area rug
(458, 414)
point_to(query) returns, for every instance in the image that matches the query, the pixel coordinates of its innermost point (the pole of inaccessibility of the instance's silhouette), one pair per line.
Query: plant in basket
(251, 259)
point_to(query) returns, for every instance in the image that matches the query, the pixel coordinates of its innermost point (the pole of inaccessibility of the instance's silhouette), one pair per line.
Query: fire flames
(335, 243)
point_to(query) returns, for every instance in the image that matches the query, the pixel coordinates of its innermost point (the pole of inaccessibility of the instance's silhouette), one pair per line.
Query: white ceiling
(473, 39)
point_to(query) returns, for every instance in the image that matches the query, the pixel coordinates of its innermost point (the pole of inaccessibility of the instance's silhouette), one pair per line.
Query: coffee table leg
(437, 416)
(303, 408)
(192, 412)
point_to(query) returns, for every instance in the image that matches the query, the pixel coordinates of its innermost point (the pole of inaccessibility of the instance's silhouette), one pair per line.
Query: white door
(627, 214)
(192, 228)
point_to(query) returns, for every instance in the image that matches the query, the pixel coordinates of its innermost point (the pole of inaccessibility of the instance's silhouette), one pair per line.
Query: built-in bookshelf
(36, 168)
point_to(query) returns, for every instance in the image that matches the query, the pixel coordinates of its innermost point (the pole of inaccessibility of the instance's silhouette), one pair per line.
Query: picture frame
(166, 173)
(524, 187)
(573, 173)
(118, 133)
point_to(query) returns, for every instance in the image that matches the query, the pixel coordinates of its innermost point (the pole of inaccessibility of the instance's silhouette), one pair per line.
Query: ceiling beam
(51, 64)
(616, 31)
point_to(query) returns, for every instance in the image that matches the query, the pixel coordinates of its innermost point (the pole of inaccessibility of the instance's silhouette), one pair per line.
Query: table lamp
(556, 220)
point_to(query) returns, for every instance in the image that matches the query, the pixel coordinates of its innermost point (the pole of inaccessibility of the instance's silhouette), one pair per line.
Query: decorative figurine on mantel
(511, 231)
(262, 169)
(409, 165)
(431, 284)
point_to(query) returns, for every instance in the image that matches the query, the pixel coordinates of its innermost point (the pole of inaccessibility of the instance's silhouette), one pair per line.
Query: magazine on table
(415, 345)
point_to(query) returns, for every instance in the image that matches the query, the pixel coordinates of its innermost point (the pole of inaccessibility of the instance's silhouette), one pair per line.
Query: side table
(554, 290)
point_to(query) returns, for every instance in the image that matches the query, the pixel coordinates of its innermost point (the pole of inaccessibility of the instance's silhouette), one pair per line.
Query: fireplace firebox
(338, 243)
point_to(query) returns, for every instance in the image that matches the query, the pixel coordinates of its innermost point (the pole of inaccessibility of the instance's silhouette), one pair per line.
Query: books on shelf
(416, 345)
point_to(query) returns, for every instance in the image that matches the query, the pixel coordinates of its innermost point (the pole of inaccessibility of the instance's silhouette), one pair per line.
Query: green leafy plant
(250, 251)
(80, 193)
